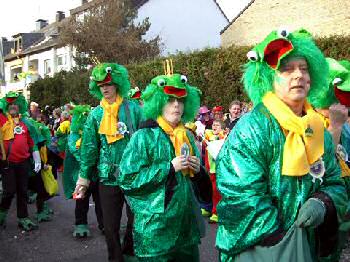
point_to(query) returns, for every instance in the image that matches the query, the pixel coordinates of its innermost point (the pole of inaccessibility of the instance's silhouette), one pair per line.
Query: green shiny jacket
(161, 224)
(256, 198)
(96, 151)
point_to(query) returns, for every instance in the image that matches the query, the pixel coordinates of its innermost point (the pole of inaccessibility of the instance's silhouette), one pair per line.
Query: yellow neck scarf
(178, 137)
(304, 136)
(109, 122)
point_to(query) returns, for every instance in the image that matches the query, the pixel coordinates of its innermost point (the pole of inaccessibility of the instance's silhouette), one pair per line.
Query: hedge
(216, 71)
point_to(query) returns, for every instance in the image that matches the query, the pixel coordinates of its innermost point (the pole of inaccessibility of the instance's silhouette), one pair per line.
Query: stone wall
(320, 17)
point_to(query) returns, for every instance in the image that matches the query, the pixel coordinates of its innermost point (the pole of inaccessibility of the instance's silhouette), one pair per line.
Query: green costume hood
(14, 98)
(338, 85)
(80, 114)
(163, 87)
(265, 59)
(135, 94)
(109, 73)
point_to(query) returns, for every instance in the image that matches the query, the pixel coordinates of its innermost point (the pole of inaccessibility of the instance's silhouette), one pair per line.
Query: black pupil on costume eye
(284, 33)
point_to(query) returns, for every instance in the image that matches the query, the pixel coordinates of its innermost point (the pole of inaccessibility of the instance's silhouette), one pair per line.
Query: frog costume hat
(14, 98)
(109, 73)
(265, 59)
(338, 87)
(163, 87)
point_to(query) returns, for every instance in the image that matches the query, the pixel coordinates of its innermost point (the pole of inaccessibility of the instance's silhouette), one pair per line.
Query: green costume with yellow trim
(260, 206)
(167, 216)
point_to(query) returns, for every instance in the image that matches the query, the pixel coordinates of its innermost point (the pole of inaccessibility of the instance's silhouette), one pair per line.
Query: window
(61, 60)
(47, 66)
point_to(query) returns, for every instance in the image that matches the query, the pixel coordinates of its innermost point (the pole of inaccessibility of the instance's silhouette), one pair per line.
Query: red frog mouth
(10, 99)
(342, 96)
(178, 92)
(107, 80)
(275, 50)
(137, 95)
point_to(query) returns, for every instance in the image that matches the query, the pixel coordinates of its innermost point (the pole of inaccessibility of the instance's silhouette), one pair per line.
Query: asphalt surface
(54, 241)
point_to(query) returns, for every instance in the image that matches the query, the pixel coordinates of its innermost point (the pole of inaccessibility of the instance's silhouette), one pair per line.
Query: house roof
(234, 19)
(221, 10)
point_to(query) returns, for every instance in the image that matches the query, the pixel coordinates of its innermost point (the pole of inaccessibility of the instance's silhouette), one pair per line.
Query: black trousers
(15, 182)
(36, 184)
(82, 206)
(112, 201)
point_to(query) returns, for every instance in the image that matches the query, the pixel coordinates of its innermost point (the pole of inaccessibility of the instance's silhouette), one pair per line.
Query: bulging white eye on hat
(109, 69)
(161, 82)
(337, 81)
(283, 32)
(183, 79)
(91, 78)
(253, 56)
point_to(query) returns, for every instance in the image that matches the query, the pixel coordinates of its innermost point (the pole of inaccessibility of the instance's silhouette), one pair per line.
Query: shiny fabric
(256, 198)
(159, 229)
(96, 150)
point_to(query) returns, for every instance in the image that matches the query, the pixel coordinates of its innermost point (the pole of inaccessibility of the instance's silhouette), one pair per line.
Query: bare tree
(107, 31)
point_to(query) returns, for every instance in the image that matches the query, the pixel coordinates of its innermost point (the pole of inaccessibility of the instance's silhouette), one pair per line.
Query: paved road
(54, 242)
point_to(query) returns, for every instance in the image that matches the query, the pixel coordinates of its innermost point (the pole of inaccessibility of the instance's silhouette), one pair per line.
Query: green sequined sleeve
(246, 211)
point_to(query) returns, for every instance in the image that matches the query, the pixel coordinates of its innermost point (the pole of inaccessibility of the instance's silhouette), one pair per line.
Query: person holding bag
(161, 174)
(282, 195)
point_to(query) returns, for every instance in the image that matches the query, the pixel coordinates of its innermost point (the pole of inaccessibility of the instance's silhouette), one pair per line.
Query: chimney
(60, 16)
(40, 24)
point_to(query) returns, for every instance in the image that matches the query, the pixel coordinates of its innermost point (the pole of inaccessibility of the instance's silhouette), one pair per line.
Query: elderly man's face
(292, 81)
(173, 110)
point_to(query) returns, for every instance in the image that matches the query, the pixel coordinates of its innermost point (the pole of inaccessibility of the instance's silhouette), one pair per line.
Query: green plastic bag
(50, 183)
(294, 247)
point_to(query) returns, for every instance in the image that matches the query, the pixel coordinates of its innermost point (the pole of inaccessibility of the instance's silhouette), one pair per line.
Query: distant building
(36, 55)
(260, 17)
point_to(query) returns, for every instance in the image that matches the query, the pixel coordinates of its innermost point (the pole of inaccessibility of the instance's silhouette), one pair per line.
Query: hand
(81, 188)
(37, 161)
(180, 163)
(311, 213)
(338, 115)
(194, 164)
(46, 167)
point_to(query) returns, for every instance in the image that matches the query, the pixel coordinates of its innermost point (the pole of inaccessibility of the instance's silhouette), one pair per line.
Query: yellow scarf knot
(304, 136)
(178, 137)
(109, 122)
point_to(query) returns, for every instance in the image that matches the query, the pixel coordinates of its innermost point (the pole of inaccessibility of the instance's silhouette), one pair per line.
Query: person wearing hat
(17, 144)
(205, 121)
(158, 168)
(106, 133)
(282, 195)
(71, 172)
(333, 105)
(218, 113)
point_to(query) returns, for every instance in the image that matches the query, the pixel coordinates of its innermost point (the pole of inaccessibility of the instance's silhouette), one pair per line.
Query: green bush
(216, 71)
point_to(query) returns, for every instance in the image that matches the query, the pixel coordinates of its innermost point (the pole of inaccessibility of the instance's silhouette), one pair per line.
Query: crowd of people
(273, 172)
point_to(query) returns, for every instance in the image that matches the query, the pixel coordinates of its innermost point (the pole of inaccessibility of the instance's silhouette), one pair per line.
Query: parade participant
(233, 115)
(158, 168)
(63, 131)
(34, 109)
(211, 137)
(107, 131)
(333, 105)
(276, 172)
(205, 121)
(17, 145)
(35, 182)
(135, 94)
(218, 113)
(71, 173)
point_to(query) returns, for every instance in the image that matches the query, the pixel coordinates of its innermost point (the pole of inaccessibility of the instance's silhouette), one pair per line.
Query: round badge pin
(317, 170)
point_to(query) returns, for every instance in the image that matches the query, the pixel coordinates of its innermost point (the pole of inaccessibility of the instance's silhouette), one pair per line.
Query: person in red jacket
(16, 147)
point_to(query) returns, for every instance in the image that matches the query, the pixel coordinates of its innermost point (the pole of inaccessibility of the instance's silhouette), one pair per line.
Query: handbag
(50, 183)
